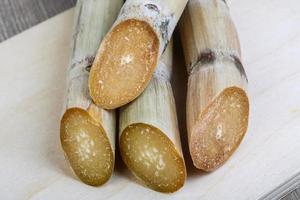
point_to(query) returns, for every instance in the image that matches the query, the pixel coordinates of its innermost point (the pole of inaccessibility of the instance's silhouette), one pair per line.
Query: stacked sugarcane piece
(217, 103)
(129, 53)
(87, 131)
(149, 136)
(132, 69)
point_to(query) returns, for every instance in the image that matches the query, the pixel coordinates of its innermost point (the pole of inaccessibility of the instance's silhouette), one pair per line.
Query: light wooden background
(19, 15)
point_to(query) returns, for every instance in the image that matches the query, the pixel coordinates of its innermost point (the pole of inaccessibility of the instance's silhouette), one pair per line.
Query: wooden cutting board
(32, 84)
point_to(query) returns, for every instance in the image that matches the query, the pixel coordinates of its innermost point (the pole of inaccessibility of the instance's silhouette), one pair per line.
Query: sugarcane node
(239, 66)
(153, 7)
(206, 57)
(164, 29)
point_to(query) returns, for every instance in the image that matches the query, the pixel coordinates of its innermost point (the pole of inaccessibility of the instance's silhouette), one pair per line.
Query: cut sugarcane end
(86, 147)
(220, 130)
(124, 65)
(152, 158)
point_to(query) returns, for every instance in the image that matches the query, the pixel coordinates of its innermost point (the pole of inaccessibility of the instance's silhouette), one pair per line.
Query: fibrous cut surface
(152, 157)
(124, 64)
(220, 129)
(86, 147)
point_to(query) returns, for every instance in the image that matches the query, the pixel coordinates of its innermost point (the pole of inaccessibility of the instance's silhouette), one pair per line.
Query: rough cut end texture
(124, 64)
(220, 129)
(86, 147)
(152, 157)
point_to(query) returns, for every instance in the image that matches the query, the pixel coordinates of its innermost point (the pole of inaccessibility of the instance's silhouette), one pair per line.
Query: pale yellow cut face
(220, 130)
(124, 64)
(152, 157)
(87, 147)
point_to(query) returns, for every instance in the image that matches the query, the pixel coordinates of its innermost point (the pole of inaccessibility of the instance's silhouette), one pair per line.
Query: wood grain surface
(19, 15)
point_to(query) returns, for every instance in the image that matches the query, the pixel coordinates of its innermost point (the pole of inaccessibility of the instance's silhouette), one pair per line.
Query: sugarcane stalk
(217, 102)
(87, 132)
(149, 136)
(129, 53)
